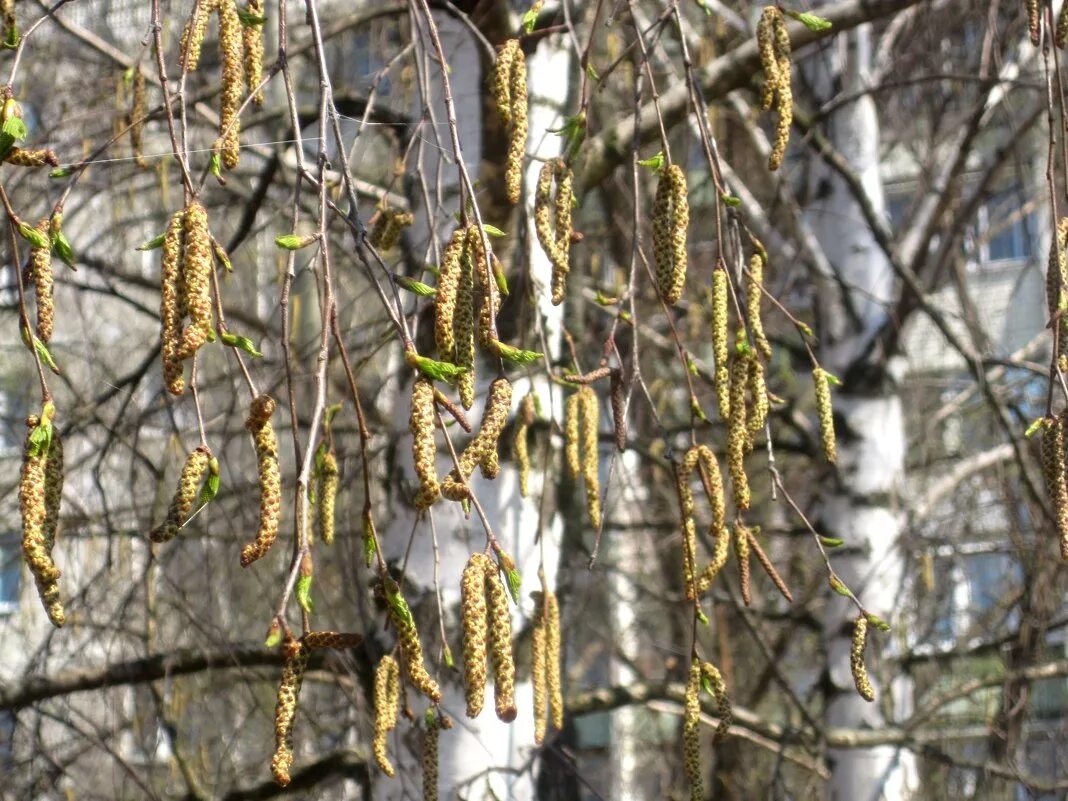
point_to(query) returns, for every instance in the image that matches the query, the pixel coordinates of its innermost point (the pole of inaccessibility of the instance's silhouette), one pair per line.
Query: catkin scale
(691, 732)
(822, 383)
(386, 702)
(252, 48)
(172, 303)
(421, 425)
(33, 507)
(185, 495)
(738, 432)
(285, 711)
(1054, 473)
(474, 620)
(43, 284)
(671, 218)
(196, 272)
(720, 343)
(328, 484)
(270, 479)
(500, 646)
(233, 82)
(856, 659)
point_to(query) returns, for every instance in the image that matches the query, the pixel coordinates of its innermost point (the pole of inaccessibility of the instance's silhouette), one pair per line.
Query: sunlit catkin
(689, 529)
(43, 283)
(24, 157)
(464, 326)
(412, 650)
(691, 732)
(822, 381)
(517, 128)
(475, 624)
(483, 448)
(712, 676)
(1054, 473)
(671, 219)
(421, 425)
(54, 477)
(445, 296)
(430, 757)
(386, 701)
(738, 432)
(500, 646)
(1057, 290)
(754, 283)
(553, 661)
(720, 340)
(196, 271)
(328, 484)
(193, 35)
(336, 640)
(1060, 38)
(172, 304)
(185, 495)
(591, 412)
(502, 71)
(270, 479)
(520, 444)
(572, 450)
(552, 222)
(233, 82)
(285, 710)
(741, 552)
(138, 111)
(33, 507)
(538, 677)
(758, 394)
(252, 48)
(856, 659)
(769, 61)
(618, 400)
(773, 43)
(486, 286)
(7, 12)
(1033, 21)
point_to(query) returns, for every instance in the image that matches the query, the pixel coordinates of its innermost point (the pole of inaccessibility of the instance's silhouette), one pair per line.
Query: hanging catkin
(33, 506)
(553, 661)
(773, 43)
(328, 484)
(1054, 473)
(54, 477)
(475, 627)
(758, 393)
(671, 218)
(856, 659)
(1060, 38)
(270, 479)
(336, 640)
(43, 283)
(500, 646)
(285, 711)
(689, 528)
(185, 495)
(741, 552)
(464, 325)
(486, 286)
(720, 340)
(691, 732)
(711, 674)
(411, 649)
(172, 303)
(538, 675)
(590, 454)
(1057, 290)
(233, 83)
(738, 431)
(552, 222)
(618, 397)
(509, 83)
(386, 702)
(821, 380)
(520, 445)
(421, 425)
(138, 112)
(753, 292)
(196, 275)
(430, 756)
(193, 34)
(445, 296)
(1033, 21)
(252, 47)
(482, 450)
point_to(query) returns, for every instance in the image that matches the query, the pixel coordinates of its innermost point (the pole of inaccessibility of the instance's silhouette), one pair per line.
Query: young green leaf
(303, 593)
(832, 542)
(416, 287)
(811, 21)
(878, 622)
(221, 255)
(839, 587)
(438, 371)
(32, 235)
(211, 486)
(215, 165)
(61, 247)
(238, 341)
(15, 128)
(730, 200)
(1035, 425)
(153, 243)
(516, 355)
(499, 277)
(250, 20)
(493, 230)
(515, 583)
(654, 163)
(62, 172)
(294, 242)
(274, 635)
(400, 607)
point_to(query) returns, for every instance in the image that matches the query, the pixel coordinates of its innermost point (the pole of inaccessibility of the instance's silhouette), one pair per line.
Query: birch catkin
(517, 130)
(193, 34)
(43, 283)
(720, 340)
(500, 646)
(711, 674)
(185, 495)
(54, 477)
(196, 274)
(520, 445)
(691, 732)
(252, 47)
(590, 454)
(482, 450)
(1054, 452)
(1060, 38)
(445, 296)
(552, 222)
(285, 711)
(821, 380)
(172, 303)
(421, 425)
(430, 757)
(538, 675)
(773, 44)
(738, 432)
(138, 112)
(475, 627)
(1033, 21)
(33, 507)
(270, 478)
(328, 484)
(671, 218)
(233, 83)
(553, 661)
(464, 326)
(386, 701)
(741, 551)
(412, 650)
(856, 659)
(753, 291)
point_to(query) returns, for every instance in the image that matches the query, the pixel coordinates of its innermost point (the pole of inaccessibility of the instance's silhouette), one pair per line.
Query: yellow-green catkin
(538, 669)
(671, 219)
(33, 507)
(233, 83)
(553, 661)
(193, 34)
(23, 157)
(408, 637)
(720, 549)
(329, 478)
(421, 425)
(572, 448)
(689, 528)
(336, 640)
(259, 425)
(1057, 290)
(11, 27)
(475, 625)
(464, 326)
(386, 701)
(43, 284)
(1033, 21)
(482, 450)
(252, 48)
(138, 111)
(54, 477)
(185, 495)
(738, 432)
(822, 383)
(520, 444)
(691, 732)
(754, 283)
(711, 674)
(741, 551)
(712, 480)
(430, 757)
(591, 454)
(172, 304)
(500, 646)
(487, 288)
(1060, 37)
(769, 61)
(196, 271)
(720, 340)
(773, 43)
(386, 232)
(295, 662)
(758, 394)
(509, 86)
(445, 296)
(1054, 472)
(552, 222)
(856, 659)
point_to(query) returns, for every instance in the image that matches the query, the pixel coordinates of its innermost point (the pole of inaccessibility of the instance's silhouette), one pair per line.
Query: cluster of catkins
(702, 675)
(509, 87)
(581, 416)
(241, 48)
(671, 218)
(1055, 472)
(773, 42)
(388, 224)
(40, 494)
(552, 222)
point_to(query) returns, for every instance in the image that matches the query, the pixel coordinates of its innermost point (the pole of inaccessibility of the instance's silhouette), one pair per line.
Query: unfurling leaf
(730, 200)
(417, 287)
(303, 593)
(153, 243)
(274, 635)
(400, 606)
(238, 341)
(832, 542)
(61, 247)
(438, 371)
(294, 242)
(654, 163)
(32, 235)
(839, 587)
(1035, 425)
(811, 21)
(516, 355)
(211, 486)
(515, 584)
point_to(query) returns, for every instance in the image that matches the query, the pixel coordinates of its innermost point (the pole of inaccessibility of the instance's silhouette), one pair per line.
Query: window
(10, 573)
(1006, 228)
